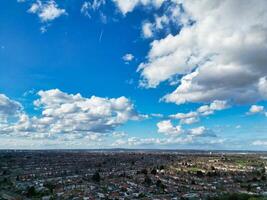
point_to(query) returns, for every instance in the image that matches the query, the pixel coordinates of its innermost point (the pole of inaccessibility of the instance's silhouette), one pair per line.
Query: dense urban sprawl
(131, 175)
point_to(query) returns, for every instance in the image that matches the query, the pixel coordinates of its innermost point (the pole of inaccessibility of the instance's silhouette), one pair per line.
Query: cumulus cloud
(172, 17)
(126, 6)
(147, 29)
(72, 114)
(197, 131)
(186, 118)
(47, 11)
(128, 57)
(255, 109)
(214, 106)
(188, 138)
(8, 108)
(221, 54)
(205, 110)
(190, 120)
(201, 131)
(167, 128)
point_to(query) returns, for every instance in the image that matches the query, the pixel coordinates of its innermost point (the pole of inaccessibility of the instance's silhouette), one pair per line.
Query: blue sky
(133, 74)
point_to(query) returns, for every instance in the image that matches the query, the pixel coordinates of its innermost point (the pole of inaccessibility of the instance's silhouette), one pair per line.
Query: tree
(147, 180)
(96, 177)
(144, 171)
(199, 173)
(153, 171)
(31, 191)
(263, 171)
(50, 186)
(160, 185)
(249, 187)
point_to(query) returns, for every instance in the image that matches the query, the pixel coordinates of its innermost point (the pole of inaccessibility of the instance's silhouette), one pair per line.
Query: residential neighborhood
(129, 174)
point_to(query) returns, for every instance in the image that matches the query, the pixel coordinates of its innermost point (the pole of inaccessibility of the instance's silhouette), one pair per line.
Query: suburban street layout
(140, 174)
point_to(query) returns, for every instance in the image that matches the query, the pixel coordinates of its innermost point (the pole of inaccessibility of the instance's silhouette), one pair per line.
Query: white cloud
(190, 120)
(192, 136)
(126, 6)
(161, 21)
(63, 113)
(97, 3)
(167, 128)
(43, 29)
(159, 115)
(128, 57)
(260, 143)
(205, 110)
(186, 118)
(28, 92)
(262, 86)
(201, 131)
(184, 115)
(135, 141)
(92, 6)
(119, 134)
(216, 141)
(255, 109)
(221, 55)
(197, 131)
(85, 8)
(238, 126)
(218, 105)
(214, 106)
(172, 17)
(8, 108)
(35, 7)
(147, 29)
(47, 11)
